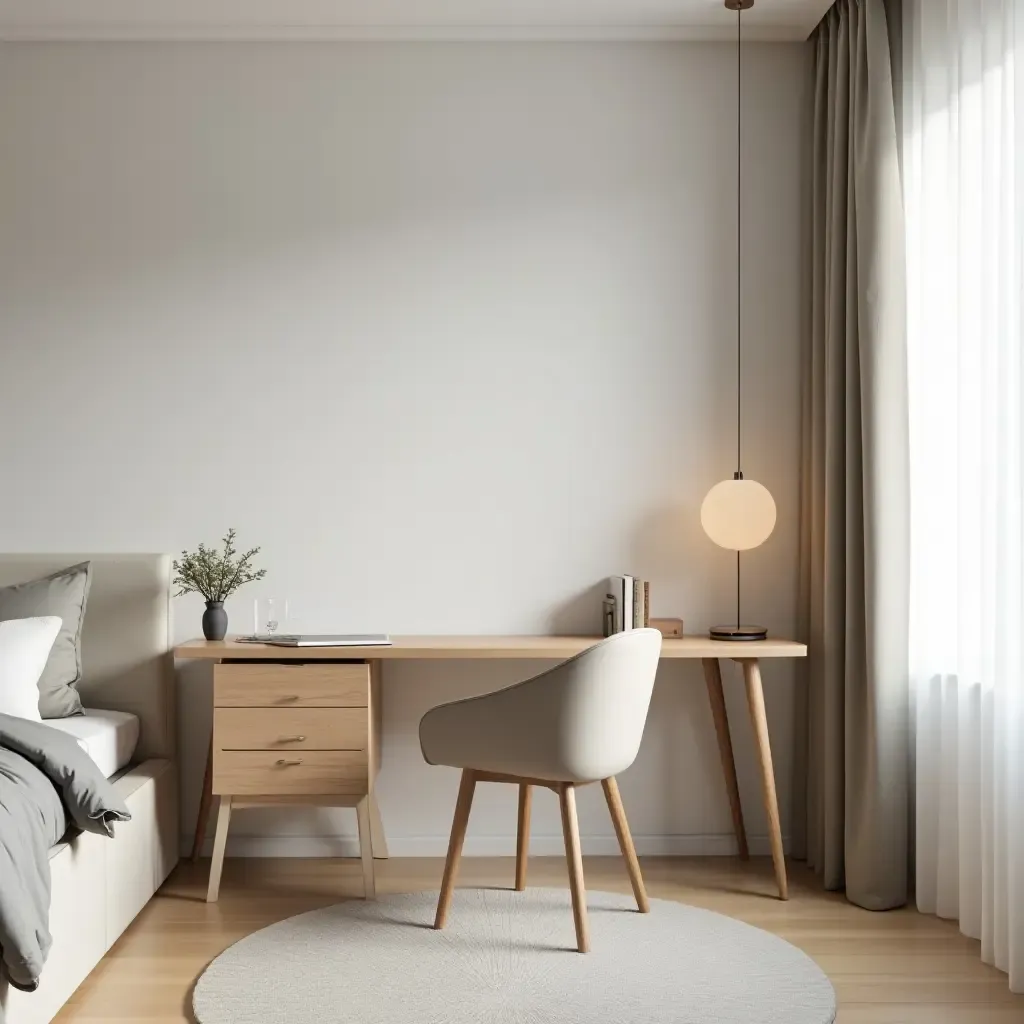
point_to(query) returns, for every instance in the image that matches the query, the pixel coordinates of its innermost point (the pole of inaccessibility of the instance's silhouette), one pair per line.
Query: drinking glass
(270, 615)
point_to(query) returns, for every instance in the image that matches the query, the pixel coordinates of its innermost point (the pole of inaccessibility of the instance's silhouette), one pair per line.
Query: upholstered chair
(578, 723)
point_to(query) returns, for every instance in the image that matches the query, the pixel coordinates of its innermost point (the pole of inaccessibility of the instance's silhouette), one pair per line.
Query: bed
(99, 885)
(110, 738)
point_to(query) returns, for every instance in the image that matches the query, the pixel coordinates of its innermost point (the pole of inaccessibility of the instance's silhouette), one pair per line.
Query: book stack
(627, 604)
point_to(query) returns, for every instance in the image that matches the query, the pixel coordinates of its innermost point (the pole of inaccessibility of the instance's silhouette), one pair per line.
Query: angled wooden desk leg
(205, 802)
(755, 698)
(378, 841)
(366, 848)
(206, 799)
(716, 695)
(219, 846)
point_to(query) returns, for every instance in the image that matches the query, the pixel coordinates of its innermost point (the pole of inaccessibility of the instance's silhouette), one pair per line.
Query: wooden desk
(710, 652)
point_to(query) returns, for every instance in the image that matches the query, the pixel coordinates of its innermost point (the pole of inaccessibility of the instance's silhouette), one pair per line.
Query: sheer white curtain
(963, 174)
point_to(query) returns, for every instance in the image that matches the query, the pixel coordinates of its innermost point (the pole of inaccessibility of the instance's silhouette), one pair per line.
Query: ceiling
(404, 19)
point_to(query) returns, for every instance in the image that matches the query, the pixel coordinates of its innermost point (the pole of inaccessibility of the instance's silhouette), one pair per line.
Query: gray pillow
(63, 594)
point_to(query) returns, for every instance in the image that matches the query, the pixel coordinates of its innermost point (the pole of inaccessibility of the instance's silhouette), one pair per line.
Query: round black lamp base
(738, 633)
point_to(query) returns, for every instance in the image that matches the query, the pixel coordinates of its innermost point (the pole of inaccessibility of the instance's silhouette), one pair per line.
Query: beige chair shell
(577, 723)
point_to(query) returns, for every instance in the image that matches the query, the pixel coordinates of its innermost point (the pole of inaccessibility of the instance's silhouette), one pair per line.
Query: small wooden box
(668, 627)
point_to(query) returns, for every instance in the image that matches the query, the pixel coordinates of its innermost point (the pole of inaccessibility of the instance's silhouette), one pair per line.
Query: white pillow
(24, 647)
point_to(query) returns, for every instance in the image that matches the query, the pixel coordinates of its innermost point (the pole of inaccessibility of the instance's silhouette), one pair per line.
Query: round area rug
(510, 957)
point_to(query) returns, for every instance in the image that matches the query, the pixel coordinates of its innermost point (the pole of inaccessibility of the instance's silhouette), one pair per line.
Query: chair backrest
(597, 704)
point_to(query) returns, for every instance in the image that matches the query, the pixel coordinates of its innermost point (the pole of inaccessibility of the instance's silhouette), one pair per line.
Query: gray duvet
(48, 784)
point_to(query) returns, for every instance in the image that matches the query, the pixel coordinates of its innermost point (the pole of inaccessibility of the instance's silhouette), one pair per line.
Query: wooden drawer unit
(295, 732)
(291, 773)
(291, 728)
(283, 685)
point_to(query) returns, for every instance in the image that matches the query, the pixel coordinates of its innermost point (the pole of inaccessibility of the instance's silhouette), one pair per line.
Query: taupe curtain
(854, 532)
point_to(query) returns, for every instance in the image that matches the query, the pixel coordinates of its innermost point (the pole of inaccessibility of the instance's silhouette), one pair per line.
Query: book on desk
(627, 604)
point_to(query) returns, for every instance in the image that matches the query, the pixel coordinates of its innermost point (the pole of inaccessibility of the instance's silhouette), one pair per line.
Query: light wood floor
(893, 968)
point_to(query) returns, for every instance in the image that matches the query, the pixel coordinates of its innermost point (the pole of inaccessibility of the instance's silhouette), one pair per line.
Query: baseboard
(487, 846)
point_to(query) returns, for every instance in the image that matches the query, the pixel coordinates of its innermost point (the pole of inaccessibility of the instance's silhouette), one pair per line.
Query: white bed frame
(100, 884)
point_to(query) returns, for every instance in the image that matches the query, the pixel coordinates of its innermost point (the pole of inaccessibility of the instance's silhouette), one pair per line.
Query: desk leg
(219, 845)
(206, 799)
(378, 841)
(755, 698)
(366, 848)
(205, 802)
(713, 678)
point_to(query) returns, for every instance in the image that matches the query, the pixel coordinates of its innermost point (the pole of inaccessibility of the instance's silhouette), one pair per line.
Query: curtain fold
(964, 162)
(854, 557)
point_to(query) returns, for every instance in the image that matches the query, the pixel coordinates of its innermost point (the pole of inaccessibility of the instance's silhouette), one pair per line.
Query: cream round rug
(509, 958)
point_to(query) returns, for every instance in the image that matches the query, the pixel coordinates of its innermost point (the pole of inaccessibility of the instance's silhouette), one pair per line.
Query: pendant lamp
(738, 514)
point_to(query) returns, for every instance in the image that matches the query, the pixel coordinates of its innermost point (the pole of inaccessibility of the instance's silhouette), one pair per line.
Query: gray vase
(215, 620)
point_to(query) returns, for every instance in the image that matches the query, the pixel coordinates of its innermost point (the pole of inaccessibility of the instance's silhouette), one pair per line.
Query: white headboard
(126, 658)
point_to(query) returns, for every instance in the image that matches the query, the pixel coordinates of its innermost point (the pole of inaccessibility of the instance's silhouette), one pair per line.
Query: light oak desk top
(505, 647)
(711, 653)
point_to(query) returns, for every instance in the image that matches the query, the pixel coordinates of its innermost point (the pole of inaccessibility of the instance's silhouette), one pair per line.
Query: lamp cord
(739, 273)
(739, 239)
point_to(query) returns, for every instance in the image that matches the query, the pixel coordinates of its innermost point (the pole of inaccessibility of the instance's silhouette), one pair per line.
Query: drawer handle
(292, 739)
(282, 763)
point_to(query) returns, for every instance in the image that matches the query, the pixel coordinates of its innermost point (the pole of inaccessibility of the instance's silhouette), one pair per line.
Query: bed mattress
(108, 737)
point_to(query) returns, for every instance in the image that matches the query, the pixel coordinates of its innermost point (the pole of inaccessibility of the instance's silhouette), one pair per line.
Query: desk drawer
(297, 773)
(291, 728)
(277, 685)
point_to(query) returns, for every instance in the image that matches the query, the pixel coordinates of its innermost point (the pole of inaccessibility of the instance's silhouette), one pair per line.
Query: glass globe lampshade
(738, 514)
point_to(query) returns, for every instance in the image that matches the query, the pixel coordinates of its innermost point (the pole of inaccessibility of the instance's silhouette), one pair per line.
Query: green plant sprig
(215, 574)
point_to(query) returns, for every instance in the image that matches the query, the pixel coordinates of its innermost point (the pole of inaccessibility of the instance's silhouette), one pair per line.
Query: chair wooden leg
(523, 835)
(366, 847)
(611, 794)
(574, 857)
(451, 865)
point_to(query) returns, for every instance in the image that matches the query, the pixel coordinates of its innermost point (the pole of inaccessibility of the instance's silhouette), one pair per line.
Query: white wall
(477, 303)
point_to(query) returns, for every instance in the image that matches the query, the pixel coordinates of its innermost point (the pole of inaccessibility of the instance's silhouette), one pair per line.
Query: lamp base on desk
(738, 633)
